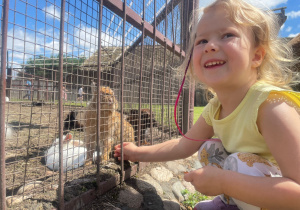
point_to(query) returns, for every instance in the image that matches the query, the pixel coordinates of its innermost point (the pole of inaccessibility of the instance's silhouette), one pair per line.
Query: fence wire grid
(51, 131)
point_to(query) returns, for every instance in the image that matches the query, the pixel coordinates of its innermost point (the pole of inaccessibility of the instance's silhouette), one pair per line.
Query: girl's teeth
(214, 63)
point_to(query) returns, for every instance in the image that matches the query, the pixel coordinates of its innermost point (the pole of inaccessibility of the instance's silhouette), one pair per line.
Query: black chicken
(133, 119)
(71, 123)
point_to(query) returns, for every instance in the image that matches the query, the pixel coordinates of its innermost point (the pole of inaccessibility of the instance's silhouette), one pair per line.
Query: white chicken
(74, 154)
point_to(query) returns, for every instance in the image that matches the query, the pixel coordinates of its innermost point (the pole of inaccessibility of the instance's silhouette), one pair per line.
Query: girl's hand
(128, 151)
(206, 180)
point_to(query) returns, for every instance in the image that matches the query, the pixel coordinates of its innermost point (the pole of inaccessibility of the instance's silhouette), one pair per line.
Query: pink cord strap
(176, 103)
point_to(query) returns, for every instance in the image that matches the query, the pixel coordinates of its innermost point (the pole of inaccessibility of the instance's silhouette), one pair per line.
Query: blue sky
(33, 28)
(292, 25)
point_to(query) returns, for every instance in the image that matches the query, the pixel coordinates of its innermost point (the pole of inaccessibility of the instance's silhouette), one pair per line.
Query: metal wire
(56, 56)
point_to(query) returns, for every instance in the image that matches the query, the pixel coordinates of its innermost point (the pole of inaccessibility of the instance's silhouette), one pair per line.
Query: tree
(46, 67)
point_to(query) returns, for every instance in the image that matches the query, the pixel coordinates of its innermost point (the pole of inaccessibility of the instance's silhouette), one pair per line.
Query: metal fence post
(188, 104)
(98, 92)
(4, 25)
(122, 88)
(60, 104)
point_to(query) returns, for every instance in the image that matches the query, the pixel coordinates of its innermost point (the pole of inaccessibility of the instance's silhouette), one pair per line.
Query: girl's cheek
(198, 48)
(196, 58)
(198, 51)
(197, 73)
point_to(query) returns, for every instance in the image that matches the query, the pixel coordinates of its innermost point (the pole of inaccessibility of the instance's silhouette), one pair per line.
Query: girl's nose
(210, 47)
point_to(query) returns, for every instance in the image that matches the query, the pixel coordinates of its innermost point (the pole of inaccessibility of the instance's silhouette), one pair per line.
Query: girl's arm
(280, 125)
(169, 150)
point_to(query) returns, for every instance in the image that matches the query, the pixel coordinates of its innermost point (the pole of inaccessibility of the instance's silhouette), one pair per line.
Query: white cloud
(25, 44)
(17, 56)
(52, 12)
(107, 40)
(53, 47)
(293, 14)
(288, 29)
(272, 4)
(87, 39)
(293, 35)
(21, 40)
(50, 32)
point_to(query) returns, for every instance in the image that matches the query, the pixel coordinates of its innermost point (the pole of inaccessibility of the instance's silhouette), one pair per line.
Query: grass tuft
(191, 199)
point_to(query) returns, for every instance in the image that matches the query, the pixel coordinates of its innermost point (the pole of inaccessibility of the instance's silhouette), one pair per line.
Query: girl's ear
(258, 57)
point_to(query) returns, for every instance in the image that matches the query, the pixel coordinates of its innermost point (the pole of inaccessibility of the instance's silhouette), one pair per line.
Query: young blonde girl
(236, 55)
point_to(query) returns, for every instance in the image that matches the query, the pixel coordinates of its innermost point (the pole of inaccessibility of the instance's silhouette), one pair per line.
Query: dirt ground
(30, 184)
(34, 130)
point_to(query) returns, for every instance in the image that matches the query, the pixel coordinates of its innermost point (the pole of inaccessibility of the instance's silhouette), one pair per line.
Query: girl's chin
(213, 82)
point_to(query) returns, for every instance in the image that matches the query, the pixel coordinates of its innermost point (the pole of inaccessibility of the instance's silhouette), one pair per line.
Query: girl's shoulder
(275, 94)
(289, 97)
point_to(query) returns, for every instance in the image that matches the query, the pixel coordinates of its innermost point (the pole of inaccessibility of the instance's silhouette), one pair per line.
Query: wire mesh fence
(77, 78)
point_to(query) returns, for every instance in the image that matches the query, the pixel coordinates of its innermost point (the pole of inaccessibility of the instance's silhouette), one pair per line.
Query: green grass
(197, 112)
(157, 109)
(75, 103)
(191, 199)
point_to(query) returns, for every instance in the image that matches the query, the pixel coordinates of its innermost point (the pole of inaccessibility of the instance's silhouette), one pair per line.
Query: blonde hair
(264, 26)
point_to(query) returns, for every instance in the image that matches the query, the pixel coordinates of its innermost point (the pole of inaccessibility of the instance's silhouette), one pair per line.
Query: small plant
(191, 199)
(83, 189)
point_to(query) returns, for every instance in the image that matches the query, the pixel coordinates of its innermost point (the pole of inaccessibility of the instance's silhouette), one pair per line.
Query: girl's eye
(202, 41)
(228, 35)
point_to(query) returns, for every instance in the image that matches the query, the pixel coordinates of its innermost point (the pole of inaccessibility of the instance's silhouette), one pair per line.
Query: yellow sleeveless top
(239, 131)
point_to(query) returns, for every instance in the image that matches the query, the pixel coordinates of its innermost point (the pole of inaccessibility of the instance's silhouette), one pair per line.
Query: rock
(197, 165)
(149, 184)
(177, 188)
(189, 186)
(161, 174)
(152, 201)
(175, 168)
(13, 200)
(130, 197)
(31, 186)
(156, 187)
(171, 205)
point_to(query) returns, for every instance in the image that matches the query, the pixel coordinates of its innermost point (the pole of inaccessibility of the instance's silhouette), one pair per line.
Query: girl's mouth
(213, 64)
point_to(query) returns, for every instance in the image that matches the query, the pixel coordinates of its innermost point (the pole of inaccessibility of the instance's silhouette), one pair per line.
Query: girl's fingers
(118, 146)
(117, 151)
(188, 177)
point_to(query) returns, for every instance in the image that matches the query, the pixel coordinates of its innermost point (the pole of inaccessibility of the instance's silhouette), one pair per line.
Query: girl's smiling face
(223, 52)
